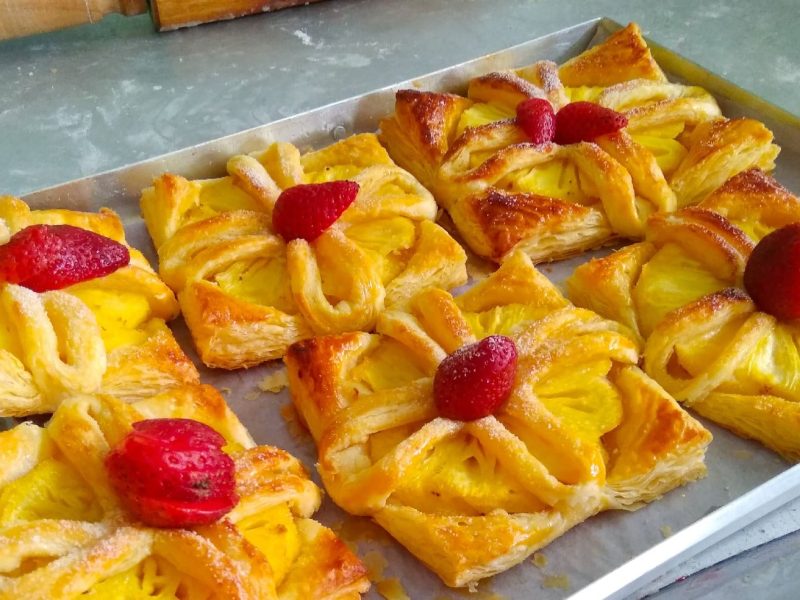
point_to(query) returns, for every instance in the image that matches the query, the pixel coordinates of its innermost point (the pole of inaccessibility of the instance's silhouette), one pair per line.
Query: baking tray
(592, 549)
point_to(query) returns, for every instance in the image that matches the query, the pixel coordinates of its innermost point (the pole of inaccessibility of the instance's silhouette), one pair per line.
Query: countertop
(81, 101)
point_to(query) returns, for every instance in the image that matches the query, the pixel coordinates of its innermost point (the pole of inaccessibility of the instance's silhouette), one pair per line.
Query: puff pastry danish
(246, 294)
(686, 255)
(505, 193)
(707, 343)
(105, 334)
(584, 429)
(63, 533)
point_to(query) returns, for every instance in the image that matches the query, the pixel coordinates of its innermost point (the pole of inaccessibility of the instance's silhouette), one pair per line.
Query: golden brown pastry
(686, 255)
(106, 334)
(64, 533)
(505, 193)
(246, 294)
(583, 430)
(734, 365)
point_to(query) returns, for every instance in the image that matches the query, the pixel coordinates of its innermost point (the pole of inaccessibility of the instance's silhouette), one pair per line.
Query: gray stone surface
(84, 100)
(81, 101)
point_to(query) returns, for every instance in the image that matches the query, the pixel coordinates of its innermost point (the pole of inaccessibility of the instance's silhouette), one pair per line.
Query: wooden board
(173, 14)
(26, 17)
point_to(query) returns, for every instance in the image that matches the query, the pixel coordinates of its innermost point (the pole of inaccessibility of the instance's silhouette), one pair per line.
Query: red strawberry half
(173, 473)
(585, 121)
(306, 211)
(475, 380)
(772, 274)
(52, 257)
(537, 119)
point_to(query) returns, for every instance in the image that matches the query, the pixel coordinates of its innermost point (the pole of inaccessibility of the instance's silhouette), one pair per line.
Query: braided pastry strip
(63, 533)
(688, 254)
(471, 499)
(246, 294)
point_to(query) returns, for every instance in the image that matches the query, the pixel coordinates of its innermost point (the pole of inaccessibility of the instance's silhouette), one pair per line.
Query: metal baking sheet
(591, 549)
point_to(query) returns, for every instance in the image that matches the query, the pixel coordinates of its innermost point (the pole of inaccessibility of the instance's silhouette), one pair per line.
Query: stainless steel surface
(636, 573)
(590, 550)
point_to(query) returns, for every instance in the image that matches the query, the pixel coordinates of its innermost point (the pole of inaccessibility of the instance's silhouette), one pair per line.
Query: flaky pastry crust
(687, 254)
(506, 194)
(104, 335)
(65, 534)
(471, 499)
(246, 294)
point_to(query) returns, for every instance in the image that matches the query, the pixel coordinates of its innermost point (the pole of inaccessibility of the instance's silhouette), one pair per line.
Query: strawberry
(306, 211)
(173, 473)
(52, 257)
(772, 274)
(585, 121)
(537, 119)
(475, 379)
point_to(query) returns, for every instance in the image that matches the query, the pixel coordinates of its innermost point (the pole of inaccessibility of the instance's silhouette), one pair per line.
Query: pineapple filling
(482, 113)
(556, 179)
(459, 477)
(388, 241)
(274, 532)
(223, 195)
(502, 320)
(121, 316)
(772, 368)
(583, 398)
(332, 173)
(752, 227)
(51, 490)
(8, 339)
(670, 279)
(263, 281)
(584, 93)
(154, 578)
(383, 442)
(390, 365)
(661, 142)
(197, 214)
(695, 355)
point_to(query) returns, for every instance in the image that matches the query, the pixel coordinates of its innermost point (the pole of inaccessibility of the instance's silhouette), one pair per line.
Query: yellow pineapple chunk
(387, 240)
(223, 195)
(556, 179)
(458, 477)
(584, 93)
(263, 281)
(502, 320)
(389, 366)
(670, 279)
(772, 368)
(481, 113)
(332, 173)
(51, 490)
(152, 579)
(583, 398)
(8, 340)
(120, 315)
(696, 354)
(274, 533)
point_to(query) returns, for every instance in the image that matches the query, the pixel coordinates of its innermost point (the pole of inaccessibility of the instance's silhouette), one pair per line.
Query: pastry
(583, 429)
(555, 200)
(707, 342)
(105, 334)
(66, 534)
(246, 294)
(685, 255)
